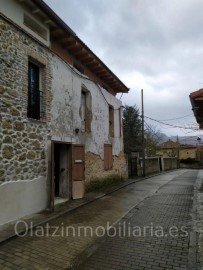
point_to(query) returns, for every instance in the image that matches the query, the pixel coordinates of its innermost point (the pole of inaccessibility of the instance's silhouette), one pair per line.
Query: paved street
(158, 202)
(169, 209)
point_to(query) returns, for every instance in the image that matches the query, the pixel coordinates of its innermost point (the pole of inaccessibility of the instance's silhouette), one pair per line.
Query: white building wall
(67, 88)
(30, 197)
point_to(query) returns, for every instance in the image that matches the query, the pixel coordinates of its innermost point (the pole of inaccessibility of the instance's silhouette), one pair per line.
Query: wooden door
(78, 171)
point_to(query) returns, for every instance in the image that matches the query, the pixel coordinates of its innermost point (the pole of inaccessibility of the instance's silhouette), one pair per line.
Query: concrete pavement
(161, 239)
(198, 219)
(69, 239)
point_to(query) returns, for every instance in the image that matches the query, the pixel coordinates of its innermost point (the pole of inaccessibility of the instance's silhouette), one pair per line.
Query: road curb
(57, 215)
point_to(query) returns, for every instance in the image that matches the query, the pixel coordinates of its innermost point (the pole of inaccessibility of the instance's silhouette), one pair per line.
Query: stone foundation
(94, 167)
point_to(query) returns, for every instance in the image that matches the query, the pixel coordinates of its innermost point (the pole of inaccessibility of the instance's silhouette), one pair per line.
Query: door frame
(52, 192)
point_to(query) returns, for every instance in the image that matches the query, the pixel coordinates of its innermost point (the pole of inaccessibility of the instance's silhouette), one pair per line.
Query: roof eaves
(66, 28)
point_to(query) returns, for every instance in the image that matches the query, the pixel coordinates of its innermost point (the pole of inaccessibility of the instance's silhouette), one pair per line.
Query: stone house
(61, 123)
(168, 149)
(174, 149)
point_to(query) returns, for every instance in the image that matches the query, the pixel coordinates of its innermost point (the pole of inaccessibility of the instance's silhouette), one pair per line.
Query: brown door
(78, 171)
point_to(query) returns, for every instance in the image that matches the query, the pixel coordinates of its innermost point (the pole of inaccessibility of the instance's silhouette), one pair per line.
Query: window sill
(36, 121)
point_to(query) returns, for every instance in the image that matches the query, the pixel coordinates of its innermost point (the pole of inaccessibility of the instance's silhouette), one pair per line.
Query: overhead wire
(171, 125)
(181, 117)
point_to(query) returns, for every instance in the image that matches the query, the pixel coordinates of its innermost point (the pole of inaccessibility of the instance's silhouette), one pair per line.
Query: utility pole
(143, 139)
(178, 154)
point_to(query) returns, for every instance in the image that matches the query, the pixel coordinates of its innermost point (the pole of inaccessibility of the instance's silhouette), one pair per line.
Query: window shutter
(108, 159)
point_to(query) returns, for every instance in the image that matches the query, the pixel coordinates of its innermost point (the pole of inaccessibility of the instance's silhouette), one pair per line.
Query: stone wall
(22, 140)
(94, 167)
(170, 163)
(151, 166)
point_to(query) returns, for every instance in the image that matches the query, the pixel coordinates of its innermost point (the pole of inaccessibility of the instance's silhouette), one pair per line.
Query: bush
(101, 184)
(188, 161)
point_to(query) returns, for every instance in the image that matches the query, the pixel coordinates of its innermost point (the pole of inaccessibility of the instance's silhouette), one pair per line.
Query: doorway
(68, 172)
(61, 164)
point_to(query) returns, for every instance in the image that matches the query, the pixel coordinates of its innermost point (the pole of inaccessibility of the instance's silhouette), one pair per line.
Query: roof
(171, 144)
(64, 35)
(196, 99)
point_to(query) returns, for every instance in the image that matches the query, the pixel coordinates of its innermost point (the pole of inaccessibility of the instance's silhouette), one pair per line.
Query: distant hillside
(182, 139)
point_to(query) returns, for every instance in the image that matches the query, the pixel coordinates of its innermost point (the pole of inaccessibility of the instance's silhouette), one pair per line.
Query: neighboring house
(196, 99)
(61, 124)
(200, 154)
(187, 151)
(174, 149)
(168, 149)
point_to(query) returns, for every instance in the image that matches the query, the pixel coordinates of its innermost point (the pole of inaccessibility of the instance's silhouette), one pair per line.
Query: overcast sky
(155, 45)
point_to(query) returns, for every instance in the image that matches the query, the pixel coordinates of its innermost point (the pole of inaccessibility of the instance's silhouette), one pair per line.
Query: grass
(102, 184)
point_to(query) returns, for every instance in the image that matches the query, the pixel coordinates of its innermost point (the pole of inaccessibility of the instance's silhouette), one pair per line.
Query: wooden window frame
(111, 121)
(86, 112)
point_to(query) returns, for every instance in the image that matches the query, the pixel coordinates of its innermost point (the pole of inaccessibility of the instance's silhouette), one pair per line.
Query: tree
(132, 129)
(153, 138)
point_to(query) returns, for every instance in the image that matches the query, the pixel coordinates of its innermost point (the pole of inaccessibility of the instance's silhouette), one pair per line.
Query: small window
(35, 27)
(83, 111)
(111, 121)
(108, 159)
(86, 111)
(34, 109)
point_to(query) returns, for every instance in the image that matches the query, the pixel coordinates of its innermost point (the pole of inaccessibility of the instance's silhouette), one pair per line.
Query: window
(86, 111)
(111, 121)
(34, 93)
(35, 26)
(83, 111)
(108, 159)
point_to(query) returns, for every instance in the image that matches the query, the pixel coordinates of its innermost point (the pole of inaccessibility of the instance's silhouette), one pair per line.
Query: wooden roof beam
(77, 49)
(71, 45)
(97, 69)
(35, 11)
(48, 21)
(66, 39)
(80, 53)
(102, 71)
(56, 31)
(86, 57)
(92, 64)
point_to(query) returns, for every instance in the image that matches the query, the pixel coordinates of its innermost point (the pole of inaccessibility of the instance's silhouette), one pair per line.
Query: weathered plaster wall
(66, 118)
(23, 142)
(66, 111)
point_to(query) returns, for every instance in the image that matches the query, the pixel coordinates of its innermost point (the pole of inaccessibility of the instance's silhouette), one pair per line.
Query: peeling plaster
(66, 104)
